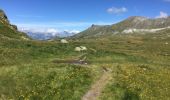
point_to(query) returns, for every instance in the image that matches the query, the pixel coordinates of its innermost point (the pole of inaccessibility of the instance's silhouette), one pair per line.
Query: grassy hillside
(28, 71)
(49, 70)
(134, 22)
(8, 30)
(139, 64)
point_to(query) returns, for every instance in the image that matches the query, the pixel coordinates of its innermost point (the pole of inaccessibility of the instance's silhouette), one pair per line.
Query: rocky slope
(135, 24)
(8, 30)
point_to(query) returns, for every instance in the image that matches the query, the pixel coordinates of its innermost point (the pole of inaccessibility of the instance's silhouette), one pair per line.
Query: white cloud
(51, 30)
(162, 15)
(73, 31)
(45, 27)
(56, 28)
(46, 31)
(167, 0)
(114, 10)
(39, 30)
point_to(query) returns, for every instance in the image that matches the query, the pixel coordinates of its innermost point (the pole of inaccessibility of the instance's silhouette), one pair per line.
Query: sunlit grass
(45, 81)
(140, 69)
(139, 82)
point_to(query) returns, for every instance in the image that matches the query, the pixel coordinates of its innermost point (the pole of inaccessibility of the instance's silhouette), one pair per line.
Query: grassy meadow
(140, 68)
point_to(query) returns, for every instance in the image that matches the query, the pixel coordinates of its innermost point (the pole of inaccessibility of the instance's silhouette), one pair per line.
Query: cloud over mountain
(114, 10)
(47, 33)
(162, 15)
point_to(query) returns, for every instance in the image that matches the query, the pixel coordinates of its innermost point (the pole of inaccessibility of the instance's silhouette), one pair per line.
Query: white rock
(77, 49)
(64, 41)
(128, 31)
(133, 30)
(24, 38)
(83, 48)
(166, 43)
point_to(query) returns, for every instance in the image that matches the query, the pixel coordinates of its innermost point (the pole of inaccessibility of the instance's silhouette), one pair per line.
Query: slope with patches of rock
(141, 24)
(8, 30)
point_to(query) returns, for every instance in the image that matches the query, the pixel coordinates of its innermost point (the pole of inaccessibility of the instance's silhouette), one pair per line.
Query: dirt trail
(97, 87)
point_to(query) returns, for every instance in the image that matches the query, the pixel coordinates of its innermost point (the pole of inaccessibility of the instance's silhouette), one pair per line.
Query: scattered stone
(64, 41)
(81, 48)
(24, 38)
(144, 69)
(166, 43)
(77, 49)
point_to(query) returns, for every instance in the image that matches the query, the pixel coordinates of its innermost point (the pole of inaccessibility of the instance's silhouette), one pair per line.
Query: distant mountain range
(131, 25)
(46, 35)
(135, 24)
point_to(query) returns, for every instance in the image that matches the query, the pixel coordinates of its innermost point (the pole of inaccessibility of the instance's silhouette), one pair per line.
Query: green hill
(8, 30)
(135, 24)
(136, 66)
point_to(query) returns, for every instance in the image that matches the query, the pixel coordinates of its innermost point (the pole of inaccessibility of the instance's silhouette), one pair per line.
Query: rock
(14, 27)
(83, 48)
(166, 43)
(24, 38)
(3, 16)
(77, 49)
(64, 41)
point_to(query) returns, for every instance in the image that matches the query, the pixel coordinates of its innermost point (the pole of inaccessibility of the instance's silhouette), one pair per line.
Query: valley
(126, 66)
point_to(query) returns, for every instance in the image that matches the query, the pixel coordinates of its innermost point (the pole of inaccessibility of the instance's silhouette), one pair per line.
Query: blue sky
(79, 14)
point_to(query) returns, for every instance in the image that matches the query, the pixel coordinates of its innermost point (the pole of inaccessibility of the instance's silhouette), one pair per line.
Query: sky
(78, 15)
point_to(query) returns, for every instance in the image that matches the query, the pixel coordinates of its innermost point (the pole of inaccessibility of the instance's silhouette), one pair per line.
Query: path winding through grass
(97, 87)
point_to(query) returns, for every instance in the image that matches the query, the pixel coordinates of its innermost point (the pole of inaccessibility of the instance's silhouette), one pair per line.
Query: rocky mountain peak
(4, 20)
(132, 24)
(3, 16)
(8, 30)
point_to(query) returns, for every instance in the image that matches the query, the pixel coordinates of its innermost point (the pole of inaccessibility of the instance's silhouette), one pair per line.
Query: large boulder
(64, 41)
(81, 48)
(77, 49)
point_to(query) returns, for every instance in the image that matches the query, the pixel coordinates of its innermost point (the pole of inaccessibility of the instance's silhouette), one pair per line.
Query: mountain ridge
(46, 35)
(130, 25)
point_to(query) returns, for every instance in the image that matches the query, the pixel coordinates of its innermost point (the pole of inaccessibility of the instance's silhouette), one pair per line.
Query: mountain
(47, 34)
(40, 36)
(8, 30)
(142, 23)
(134, 24)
